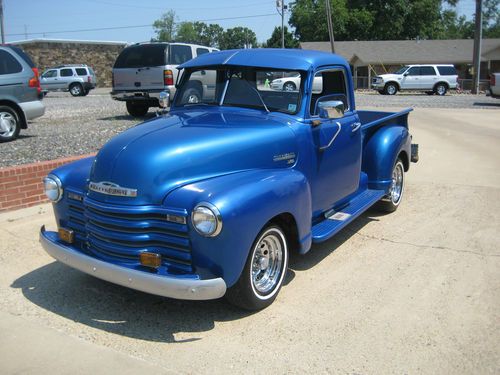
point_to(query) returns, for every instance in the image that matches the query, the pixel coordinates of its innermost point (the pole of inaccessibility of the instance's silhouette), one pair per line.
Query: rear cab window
(447, 70)
(81, 71)
(8, 63)
(146, 55)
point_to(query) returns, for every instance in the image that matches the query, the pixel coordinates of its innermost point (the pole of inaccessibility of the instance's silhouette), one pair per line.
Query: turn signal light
(150, 259)
(66, 235)
(168, 77)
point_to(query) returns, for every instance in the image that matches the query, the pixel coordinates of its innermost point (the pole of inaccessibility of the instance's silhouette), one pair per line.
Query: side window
(180, 54)
(447, 70)
(201, 51)
(66, 72)
(50, 74)
(427, 71)
(415, 71)
(81, 71)
(327, 86)
(8, 63)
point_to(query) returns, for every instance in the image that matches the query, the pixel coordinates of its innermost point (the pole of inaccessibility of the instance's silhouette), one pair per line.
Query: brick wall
(100, 57)
(21, 186)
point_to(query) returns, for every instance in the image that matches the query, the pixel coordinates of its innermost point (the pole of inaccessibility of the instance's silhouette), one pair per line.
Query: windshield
(240, 87)
(401, 70)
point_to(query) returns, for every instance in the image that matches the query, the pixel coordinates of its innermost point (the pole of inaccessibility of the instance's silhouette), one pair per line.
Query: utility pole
(281, 4)
(330, 24)
(478, 33)
(2, 28)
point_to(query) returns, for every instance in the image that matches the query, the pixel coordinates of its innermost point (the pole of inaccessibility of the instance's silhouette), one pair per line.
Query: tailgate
(147, 78)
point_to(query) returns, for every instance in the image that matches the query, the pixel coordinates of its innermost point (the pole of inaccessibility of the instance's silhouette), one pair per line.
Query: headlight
(53, 188)
(207, 220)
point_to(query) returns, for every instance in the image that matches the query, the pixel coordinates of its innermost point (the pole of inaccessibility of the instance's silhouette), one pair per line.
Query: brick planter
(21, 185)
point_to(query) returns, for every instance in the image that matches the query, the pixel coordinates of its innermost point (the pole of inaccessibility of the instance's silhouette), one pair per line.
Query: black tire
(85, 92)
(390, 203)
(137, 109)
(391, 88)
(429, 92)
(289, 86)
(441, 89)
(10, 123)
(381, 92)
(76, 89)
(192, 96)
(250, 291)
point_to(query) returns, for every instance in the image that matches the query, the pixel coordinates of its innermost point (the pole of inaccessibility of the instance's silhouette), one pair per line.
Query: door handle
(355, 126)
(333, 138)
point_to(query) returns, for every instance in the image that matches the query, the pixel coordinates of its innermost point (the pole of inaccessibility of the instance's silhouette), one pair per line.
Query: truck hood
(155, 157)
(390, 77)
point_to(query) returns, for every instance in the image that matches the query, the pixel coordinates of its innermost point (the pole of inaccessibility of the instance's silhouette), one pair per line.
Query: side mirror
(331, 109)
(164, 99)
(405, 74)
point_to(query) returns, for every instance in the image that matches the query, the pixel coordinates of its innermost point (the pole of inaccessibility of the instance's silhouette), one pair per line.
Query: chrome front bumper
(166, 286)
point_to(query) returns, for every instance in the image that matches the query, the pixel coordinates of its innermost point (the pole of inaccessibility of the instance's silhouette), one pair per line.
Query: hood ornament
(109, 188)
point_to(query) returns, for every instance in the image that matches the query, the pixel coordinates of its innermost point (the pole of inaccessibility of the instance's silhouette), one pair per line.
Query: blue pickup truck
(209, 199)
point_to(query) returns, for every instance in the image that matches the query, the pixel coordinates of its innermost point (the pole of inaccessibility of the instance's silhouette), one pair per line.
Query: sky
(132, 19)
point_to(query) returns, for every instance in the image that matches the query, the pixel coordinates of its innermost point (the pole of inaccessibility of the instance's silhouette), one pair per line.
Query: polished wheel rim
(391, 89)
(193, 98)
(289, 87)
(441, 90)
(7, 124)
(397, 183)
(267, 262)
(75, 90)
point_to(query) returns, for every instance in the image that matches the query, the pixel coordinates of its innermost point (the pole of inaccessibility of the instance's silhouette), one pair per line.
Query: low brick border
(21, 185)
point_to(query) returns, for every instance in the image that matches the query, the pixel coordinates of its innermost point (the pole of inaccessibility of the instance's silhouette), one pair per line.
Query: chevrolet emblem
(110, 188)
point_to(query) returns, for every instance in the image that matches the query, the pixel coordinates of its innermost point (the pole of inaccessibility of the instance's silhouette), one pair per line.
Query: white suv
(433, 79)
(143, 70)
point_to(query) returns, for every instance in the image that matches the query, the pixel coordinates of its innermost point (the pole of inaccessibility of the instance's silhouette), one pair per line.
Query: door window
(81, 71)
(427, 71)
(66, 73)
(201, 51)
(415, 71)
(329, 85)
(8, 63)
(50, 74)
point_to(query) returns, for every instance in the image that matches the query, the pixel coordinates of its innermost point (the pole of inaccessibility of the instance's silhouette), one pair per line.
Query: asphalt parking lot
(413, 292)
(81, 125)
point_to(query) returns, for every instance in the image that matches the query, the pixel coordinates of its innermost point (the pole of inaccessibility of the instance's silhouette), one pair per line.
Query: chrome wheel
(441, 89)
(397, 185)
(8, 124)
(193, 99)
(289, 86)
(391, 89)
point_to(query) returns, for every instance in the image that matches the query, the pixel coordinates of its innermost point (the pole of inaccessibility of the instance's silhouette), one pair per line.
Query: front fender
(246, 201)
(380, 153)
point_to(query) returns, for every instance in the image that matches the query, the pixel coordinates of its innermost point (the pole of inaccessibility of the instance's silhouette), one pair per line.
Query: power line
(136, 26)
(174, 8)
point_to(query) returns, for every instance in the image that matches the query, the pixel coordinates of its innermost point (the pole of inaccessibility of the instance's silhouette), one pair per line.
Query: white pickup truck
(494, 90)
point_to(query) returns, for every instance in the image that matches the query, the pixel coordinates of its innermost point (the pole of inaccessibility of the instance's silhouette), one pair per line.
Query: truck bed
(371, 120)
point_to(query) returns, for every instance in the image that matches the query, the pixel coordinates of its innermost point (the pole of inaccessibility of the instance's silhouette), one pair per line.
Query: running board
(338, 220)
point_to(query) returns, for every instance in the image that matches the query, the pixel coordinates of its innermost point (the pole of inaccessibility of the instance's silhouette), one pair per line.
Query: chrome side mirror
(164, 99)
(331, 109)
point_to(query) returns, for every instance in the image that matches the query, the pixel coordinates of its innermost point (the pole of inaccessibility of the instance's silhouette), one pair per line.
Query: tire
(429, 92)
(137, 109)
(191, 96)
(381, 92)
(390, 203)
(10, 124)
(85, 92)
(441, 89)
(391, 88)
(289, 86)
(264, 271)
(75, 89)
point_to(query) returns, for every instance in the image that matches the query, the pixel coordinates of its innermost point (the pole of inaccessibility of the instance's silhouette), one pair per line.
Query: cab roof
(292, 59)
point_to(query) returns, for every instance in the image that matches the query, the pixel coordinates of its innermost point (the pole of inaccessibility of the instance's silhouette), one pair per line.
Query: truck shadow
(115, 309)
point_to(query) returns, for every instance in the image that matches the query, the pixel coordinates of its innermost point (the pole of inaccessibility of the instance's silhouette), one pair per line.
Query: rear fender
(381, 152)
(246, 201)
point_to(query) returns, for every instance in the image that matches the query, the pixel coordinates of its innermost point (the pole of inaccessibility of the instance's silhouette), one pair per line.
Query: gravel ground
(81, 125)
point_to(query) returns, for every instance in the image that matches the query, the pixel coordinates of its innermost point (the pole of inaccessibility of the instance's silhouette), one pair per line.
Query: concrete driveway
(414, 292)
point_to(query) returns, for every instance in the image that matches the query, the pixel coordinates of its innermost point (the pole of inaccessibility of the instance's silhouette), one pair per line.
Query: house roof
(406, 51)
(77, 41)
(293, 59)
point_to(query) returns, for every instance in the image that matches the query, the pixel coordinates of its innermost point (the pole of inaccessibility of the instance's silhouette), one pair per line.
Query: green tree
(275, 40)
(165, 27)
(187, 33)
(238, 37)
(491, 19)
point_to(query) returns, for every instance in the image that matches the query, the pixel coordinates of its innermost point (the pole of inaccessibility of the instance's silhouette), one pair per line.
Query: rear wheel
(10, 124)
(191, 96)
(264, 271)
(391, 89)
(289, 86)
(440, 89)
(76, 89)
(390, 202)
(137, 109)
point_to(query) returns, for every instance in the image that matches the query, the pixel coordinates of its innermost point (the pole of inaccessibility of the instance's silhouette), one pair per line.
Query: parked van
(143, 70)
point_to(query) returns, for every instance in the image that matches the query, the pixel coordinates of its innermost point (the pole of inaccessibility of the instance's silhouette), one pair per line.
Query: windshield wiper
(258, 94)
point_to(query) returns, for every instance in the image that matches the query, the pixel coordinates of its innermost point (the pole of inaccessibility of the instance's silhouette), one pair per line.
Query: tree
(165, 27)
(491, 19)
(238, 37)
(187, 33)
(275, 40)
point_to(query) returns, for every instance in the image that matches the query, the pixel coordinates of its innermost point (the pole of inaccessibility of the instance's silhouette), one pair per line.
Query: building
(368, 58)
(100, 55)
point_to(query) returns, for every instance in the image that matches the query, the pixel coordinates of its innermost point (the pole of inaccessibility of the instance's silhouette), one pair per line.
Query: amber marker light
(150, 259)
(66, 235)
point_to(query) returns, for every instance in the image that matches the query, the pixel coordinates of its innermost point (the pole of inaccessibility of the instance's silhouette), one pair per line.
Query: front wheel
(264, 271)
(391, 201)
(10, 124)
(391, 89)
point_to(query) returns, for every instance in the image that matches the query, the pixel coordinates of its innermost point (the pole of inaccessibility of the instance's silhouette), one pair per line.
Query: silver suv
(433, 79)
(78, 79)
(143, 70)
(20, 92)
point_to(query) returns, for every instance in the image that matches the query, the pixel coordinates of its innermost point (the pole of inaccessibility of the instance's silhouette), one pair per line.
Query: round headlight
(53, 188)
(207, 220)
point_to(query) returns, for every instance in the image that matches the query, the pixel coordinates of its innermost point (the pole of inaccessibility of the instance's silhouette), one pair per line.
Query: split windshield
(401, 70)
(266, 89)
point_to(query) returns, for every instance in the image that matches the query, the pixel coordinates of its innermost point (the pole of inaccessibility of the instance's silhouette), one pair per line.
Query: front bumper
(166, 286)
(377, 85)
